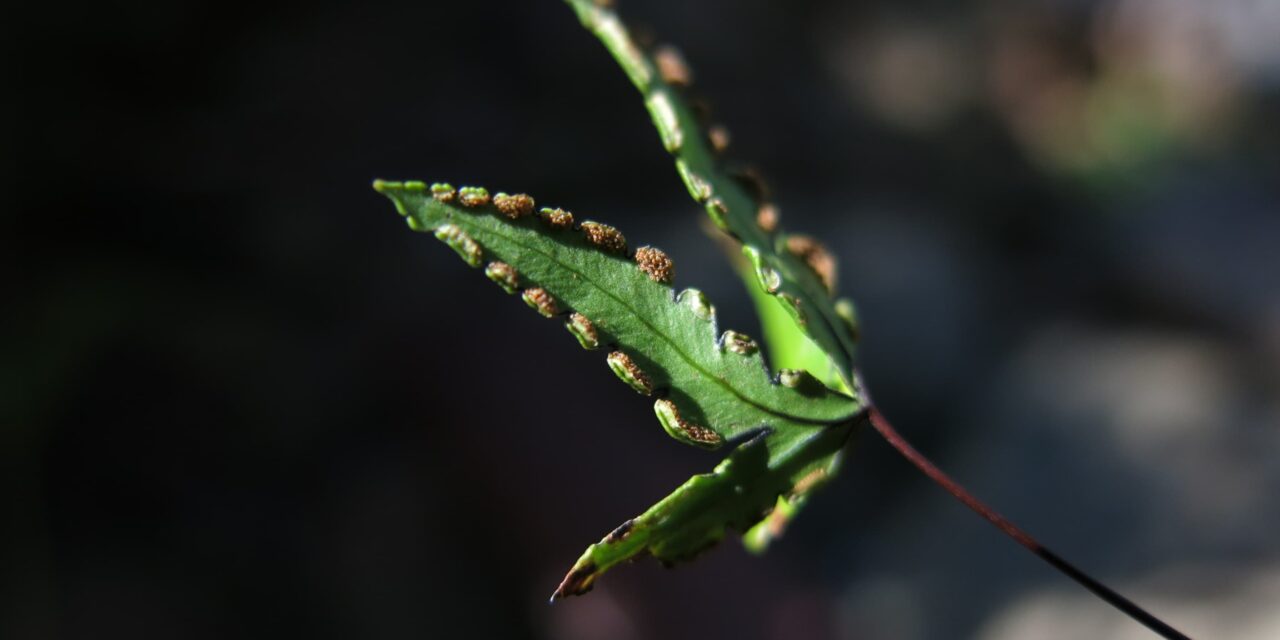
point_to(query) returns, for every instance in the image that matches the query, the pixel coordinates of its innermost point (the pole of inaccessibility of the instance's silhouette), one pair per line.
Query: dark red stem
(1116, 600)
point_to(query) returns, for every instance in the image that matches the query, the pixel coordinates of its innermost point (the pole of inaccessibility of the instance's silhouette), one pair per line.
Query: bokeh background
(241, 400)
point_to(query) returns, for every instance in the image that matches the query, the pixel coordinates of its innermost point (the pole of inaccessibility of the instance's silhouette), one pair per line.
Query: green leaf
(755, 490)
(661, 343)
(709, 387)
(790, 268)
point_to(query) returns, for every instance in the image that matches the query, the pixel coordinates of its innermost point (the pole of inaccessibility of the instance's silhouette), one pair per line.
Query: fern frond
(709, 387)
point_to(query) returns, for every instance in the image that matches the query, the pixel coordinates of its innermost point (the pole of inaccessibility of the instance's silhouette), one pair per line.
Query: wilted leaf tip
(578, 581)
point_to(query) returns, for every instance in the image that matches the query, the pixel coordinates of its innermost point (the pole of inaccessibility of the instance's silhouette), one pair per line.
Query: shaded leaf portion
(709, 387)
(793, 269)
(755, 490)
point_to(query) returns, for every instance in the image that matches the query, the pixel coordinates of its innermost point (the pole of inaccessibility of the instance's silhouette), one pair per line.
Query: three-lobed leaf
(709, 387)
(791, 426)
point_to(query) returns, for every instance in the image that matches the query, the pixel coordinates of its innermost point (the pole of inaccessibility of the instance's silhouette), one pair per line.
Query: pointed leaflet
(708, 389)
(777, 470)
(803, 293)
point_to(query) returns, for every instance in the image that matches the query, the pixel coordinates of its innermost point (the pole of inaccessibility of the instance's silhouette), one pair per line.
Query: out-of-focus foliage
(1107, 103)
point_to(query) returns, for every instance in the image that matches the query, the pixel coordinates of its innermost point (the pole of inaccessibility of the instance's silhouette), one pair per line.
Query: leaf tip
(392, 191)
(579, 580)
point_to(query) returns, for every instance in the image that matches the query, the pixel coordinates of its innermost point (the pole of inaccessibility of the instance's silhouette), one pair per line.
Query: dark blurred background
(240, 399)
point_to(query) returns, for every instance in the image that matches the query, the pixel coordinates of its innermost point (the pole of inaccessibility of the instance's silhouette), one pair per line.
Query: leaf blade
(740, 494)
(800, 291)
(715, 382)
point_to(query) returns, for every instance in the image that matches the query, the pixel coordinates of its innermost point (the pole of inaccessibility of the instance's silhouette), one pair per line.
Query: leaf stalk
(1107, 594)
